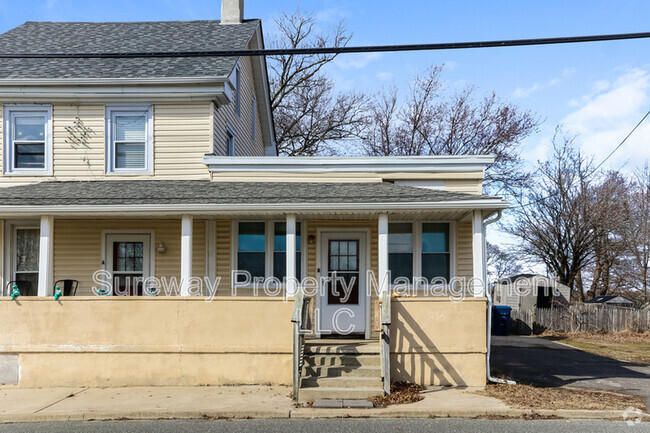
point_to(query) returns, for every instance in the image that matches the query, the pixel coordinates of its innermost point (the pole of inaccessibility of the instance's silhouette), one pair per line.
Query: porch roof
(204, 195)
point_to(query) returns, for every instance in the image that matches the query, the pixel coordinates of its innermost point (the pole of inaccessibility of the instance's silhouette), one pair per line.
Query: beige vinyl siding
(78, 247)
(182, 135)
(242, 124)
(470, 186)
(464, 261)
(224, 256)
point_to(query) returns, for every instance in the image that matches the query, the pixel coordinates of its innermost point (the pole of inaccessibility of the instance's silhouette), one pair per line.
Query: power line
(335, 50)
(521, 206)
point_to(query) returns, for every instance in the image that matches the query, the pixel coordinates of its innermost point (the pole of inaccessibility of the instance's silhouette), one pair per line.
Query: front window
(26, 259)
(280, 251)
(400, 251)
(129, 146)
(28, 142)
(230, 142)
(251, 254)
(435, 251)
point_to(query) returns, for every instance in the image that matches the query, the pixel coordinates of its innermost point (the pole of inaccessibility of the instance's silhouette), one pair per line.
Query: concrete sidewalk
(68, 404)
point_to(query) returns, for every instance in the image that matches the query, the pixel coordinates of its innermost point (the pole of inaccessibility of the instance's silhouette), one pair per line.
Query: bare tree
(638, 230)
(307, 110)
(501, 263)
(555, 221)
(428, 122)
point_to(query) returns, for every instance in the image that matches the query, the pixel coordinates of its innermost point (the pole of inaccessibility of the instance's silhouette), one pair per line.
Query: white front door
(343, 296)
(128, 262)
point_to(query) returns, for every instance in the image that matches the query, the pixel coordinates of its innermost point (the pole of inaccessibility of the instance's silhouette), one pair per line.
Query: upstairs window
(28, 140)
(237, 91)
(130, 148)
(230, 141)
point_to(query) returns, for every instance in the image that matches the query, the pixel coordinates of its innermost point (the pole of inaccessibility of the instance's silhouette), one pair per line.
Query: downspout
(488, 295)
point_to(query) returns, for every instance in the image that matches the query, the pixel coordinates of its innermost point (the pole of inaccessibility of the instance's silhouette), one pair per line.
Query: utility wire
(521, 206)
(334, 50)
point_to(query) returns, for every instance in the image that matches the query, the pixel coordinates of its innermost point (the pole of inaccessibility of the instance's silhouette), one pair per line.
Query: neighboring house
(157, 178)
(529, 291)
(610, 301)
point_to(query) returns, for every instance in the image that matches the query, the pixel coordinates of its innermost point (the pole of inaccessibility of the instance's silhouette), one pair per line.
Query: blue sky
(598, 91)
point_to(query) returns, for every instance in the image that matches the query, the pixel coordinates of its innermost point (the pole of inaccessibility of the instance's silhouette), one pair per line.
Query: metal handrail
(299, 318)
(384, 342)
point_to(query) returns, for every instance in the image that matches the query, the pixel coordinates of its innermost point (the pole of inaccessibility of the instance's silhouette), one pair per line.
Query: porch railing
(301, 326)
(384, 341)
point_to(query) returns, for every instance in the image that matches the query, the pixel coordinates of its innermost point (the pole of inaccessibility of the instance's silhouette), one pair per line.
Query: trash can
(501, 320)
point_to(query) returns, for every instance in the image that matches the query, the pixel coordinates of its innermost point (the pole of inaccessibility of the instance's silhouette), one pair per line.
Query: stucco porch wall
(164, 341)
(435, 341)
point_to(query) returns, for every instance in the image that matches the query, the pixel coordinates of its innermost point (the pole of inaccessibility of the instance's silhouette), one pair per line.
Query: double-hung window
(28, 140)
(130, 144)
(262, 250)
(420, 251)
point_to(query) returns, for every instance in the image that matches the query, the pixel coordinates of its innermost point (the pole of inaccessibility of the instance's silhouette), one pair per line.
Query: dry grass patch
(624, 346)
(524, 396)
(400, 393)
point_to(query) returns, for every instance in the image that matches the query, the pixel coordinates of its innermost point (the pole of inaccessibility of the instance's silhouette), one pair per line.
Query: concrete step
(309, 394)
(341, 371)
(335, 360)
(341, 382)
(336, 347)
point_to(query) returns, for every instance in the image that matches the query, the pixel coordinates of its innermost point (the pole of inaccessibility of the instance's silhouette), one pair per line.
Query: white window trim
(110, 145)
(417, 246)
(231, 131)
(269, 233)
(9, 151)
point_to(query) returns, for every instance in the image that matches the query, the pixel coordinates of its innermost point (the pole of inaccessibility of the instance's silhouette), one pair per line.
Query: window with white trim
(237, 91)
(420, 250)
(28, 140)
(129, 147)
(230, 141)
(261, 249)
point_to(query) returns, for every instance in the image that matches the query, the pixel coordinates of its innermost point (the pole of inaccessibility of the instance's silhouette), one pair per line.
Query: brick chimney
(232, 11)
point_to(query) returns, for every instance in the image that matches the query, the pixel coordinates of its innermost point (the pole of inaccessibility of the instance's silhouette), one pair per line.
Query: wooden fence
(580, 319)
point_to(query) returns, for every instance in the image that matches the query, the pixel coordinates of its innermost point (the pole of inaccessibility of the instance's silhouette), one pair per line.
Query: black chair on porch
(24, 287)
(67, 287)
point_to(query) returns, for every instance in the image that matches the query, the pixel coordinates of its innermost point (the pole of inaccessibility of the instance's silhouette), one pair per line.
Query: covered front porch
(146, 270)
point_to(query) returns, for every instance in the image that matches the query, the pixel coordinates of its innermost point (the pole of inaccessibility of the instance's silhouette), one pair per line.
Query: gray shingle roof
(137, 192)
(119, 37)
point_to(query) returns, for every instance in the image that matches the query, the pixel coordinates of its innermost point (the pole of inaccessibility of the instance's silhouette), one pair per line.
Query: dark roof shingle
(122, 37)
(135, 192)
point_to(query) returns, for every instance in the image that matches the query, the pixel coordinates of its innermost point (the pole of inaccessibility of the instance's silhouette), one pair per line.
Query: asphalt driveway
(538, 360)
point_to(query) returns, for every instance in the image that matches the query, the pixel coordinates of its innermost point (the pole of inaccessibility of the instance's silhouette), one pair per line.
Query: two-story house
(150, 235)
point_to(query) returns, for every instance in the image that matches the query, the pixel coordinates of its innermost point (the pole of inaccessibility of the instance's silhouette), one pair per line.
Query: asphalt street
(332, 426)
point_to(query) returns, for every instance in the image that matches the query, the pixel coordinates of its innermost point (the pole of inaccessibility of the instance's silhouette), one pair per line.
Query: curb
(308, 413)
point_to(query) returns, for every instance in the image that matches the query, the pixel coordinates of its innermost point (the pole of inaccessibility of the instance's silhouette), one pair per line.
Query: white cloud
(524, 92)
(605, 116)
(356, 61)
(385, 76)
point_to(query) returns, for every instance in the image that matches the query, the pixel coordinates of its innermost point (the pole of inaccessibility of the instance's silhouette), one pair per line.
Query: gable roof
(608, 299)
(122, 37)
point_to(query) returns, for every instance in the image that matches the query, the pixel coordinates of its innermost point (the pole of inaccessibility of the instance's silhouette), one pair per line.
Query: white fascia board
(173, 209)
(123, 91)
(376, 164)
(13, 82)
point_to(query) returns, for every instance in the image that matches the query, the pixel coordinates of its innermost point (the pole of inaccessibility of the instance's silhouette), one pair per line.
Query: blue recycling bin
(501, 320)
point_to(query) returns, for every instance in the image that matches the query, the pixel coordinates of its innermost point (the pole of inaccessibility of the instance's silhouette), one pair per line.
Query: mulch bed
(400, 393)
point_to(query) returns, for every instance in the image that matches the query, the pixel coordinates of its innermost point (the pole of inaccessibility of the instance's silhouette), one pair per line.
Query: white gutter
(108, 81)
(379, 164)
(488, 295)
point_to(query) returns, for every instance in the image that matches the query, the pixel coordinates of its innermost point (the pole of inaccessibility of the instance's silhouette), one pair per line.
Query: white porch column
(291, 286)
(478, 256)
(45, 257)
(186, 254)
(382, 249)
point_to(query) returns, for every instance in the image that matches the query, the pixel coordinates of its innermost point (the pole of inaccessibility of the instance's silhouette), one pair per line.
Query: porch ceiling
(175, 197)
